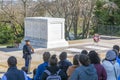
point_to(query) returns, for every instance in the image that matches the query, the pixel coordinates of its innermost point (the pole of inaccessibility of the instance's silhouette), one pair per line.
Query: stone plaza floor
(75, 47)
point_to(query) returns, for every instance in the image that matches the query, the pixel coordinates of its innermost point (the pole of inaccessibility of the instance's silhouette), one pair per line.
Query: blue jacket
(40, 70)
(29, 78)
(14, 74)
(84, 73)
(118, 60)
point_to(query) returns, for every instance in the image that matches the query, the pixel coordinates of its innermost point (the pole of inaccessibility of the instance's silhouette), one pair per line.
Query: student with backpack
(53, 72)
(111, 66)
(64, 64)
(42, 67)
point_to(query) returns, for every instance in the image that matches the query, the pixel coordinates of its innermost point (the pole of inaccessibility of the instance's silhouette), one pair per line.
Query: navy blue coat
(14, 74)
(27, 52)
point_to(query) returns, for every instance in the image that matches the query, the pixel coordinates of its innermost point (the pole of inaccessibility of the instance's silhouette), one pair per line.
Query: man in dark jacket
(64, 63)
(27, 51)
(13, 73)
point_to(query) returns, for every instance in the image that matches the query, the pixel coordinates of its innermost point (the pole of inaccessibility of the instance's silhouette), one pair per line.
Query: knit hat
(111, 55)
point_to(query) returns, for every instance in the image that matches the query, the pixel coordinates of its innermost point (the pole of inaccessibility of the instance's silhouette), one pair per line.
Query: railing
(111, 30)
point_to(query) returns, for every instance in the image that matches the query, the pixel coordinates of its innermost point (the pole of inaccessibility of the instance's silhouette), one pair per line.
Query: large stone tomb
(45, 32)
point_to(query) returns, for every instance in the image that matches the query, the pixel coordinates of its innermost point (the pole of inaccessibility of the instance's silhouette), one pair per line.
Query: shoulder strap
(114, 70)
(48, 72)
(58, 71)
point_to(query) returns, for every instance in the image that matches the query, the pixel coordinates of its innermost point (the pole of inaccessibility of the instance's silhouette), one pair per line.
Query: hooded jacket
(84, 73)
(112, 70)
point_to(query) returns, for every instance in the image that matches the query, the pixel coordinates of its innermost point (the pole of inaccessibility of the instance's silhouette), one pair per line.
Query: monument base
(36, 43)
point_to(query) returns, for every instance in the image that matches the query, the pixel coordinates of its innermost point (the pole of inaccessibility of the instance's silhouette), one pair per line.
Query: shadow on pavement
(9, 49)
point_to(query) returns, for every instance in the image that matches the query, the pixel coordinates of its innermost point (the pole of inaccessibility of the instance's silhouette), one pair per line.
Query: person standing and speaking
(27, 51)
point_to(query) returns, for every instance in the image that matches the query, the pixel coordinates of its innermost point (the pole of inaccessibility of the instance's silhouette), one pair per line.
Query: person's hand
(32, 48)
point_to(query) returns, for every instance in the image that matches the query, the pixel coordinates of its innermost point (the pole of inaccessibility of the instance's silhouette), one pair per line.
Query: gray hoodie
(85, 73)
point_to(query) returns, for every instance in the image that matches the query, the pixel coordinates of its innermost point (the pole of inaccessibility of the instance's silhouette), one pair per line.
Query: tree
(72, 11)
(87, 12)
(78, 14)
(107, 15)
(14, 13)
(6, 34)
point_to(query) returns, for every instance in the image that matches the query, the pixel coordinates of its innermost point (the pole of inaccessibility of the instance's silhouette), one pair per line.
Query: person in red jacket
(96, 38)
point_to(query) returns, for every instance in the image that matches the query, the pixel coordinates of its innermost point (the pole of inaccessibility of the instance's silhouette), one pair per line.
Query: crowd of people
(85, 66)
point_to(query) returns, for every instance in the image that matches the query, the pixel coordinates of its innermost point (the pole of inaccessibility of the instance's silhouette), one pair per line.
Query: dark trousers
(27, 63)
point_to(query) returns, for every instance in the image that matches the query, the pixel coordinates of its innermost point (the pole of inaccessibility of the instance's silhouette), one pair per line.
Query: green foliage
(6, 34)
(107, 18)
(106, 15)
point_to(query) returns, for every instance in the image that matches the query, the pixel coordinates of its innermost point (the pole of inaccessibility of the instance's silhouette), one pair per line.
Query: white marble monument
(45, 32)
